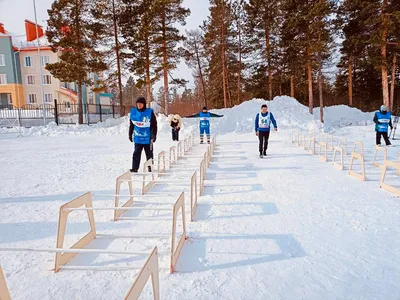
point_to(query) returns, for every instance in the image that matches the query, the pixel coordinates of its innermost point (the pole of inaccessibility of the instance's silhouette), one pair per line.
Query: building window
(30, 80)
(32, 99)
(3, 79)
(47, 79)
(28, 61)
(48, 98)
(44, 60)
(2, 60)
(9, 99)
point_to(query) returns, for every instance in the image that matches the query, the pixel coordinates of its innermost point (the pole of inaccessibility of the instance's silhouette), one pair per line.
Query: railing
(60, 113)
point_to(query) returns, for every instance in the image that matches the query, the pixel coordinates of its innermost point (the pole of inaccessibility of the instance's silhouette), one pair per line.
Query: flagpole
(40, 64)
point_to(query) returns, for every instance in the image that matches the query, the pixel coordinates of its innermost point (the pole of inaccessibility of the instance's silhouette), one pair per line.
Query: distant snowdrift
(289, 114)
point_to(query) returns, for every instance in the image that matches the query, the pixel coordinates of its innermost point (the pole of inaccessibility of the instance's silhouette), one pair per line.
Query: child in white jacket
(176, 124)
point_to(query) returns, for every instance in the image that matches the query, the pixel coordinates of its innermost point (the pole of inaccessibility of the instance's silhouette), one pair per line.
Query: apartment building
(20, 80)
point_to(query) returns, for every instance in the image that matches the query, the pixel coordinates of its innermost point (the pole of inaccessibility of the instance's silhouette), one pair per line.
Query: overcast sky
(14, 12)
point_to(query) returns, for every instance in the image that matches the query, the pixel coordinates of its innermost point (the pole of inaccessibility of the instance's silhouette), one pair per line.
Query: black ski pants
(263, 137)
(385, 137)
(175, 135)
(148, 149)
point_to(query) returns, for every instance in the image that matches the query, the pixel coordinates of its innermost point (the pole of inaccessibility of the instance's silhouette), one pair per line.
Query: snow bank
(289, 113)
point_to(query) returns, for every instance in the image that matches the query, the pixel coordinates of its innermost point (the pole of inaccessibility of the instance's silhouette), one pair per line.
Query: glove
(154, 138)
(130, 139)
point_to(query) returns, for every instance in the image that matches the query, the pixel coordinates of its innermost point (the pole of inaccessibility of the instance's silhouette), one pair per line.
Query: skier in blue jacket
(382, 119)
(262, 126)
(204, 117)
(142, 131)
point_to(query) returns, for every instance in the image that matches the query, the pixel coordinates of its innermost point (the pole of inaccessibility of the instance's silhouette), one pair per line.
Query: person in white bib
(263, 127)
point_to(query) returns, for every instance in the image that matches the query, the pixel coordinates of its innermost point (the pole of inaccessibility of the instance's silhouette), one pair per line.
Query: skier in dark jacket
(262, 126)
(382, 119)
(142, 131)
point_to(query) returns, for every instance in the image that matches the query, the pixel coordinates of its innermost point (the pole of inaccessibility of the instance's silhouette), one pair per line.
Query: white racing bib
(264, 122)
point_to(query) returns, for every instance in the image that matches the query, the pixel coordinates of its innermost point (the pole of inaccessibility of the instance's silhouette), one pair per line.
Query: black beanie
(141, 100)
(204, 107)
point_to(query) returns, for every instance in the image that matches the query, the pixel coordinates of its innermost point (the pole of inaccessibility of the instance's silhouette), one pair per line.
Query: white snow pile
(288, 112)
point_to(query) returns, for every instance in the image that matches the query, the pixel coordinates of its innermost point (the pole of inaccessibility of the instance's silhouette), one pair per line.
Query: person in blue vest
(142, 132)
(204, 116)
(382, 119)
(262, 126)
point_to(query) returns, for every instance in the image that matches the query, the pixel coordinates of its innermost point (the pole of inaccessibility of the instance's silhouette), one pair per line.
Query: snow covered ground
(285, 227)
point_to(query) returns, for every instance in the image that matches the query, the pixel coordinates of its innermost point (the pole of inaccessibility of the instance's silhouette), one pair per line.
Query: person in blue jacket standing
(142, 131)
(382, 119)
(262, 126)
(204, 117)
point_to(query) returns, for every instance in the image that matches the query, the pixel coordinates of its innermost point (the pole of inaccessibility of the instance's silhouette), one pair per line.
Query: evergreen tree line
(322, 52)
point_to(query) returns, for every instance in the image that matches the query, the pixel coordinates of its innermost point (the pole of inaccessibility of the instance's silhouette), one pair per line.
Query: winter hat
(383, 108)
(264, 105)
(204, 107)
(141, 100)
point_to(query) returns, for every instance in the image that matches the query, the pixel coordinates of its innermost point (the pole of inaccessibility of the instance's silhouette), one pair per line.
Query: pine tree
(137, 23)
(264, 18)
(195, 58)
(217, 43)
(75, 30)
(167, 14)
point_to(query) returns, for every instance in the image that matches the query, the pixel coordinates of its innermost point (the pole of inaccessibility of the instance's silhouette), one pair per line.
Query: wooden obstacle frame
(323, 145)
(4, 293)
(193, 195)
(311, 145)
(173, 158)
(202, 175)
(146, 186)
(339, 166)
(162, 164)
(390, 164)
(360, 157)
(180, 148)
(360, 145)
(175, 251)
(64, 258)
(330, 142)
(121, 179)
(376, 150)
(343, 143)
(294, 137)
(149, 269)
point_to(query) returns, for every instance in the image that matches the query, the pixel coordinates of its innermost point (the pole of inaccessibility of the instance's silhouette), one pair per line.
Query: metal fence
(61, 113)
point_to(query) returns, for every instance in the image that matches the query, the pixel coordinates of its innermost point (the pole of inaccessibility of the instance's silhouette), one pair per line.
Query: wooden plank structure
(126, 177)
(150, 269)
(4, 293)
(162, 166)
(63, 258)
(193, 196)
(376, 151)
(360, 157)
(340, 165)
(323, 145)
(176, 247)
(147, 185)
(390, 164)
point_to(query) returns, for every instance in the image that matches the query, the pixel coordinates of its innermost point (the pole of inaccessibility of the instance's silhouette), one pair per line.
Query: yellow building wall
(16, 91)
